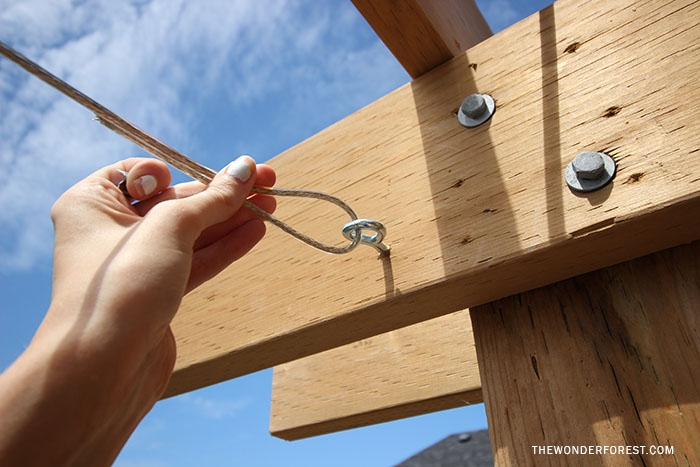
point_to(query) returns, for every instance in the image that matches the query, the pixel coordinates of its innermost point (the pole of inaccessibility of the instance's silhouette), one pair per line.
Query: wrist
(77, 400)
(39, 410)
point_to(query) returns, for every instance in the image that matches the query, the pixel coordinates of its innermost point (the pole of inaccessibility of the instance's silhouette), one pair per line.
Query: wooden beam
(419, 369)
(473, 215)
(423, 34)
(611, 358)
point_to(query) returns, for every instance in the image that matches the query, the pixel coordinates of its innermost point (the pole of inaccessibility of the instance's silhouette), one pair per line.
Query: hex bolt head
(473, 106)
(589, 171)
(588, 165)
(476, 109)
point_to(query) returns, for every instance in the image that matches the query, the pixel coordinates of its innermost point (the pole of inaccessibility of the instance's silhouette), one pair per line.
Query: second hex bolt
(476, 109)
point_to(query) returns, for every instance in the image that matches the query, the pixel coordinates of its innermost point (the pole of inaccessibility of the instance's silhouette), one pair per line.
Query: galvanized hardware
(476, 109)
(589, 171)
(352, 229)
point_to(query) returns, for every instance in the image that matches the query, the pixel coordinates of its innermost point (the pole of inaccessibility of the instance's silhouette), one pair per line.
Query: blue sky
(214, 79)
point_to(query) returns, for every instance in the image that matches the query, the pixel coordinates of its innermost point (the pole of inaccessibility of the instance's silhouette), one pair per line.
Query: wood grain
(423, 34)
(472, 215)
(610, 358)
(419, 369)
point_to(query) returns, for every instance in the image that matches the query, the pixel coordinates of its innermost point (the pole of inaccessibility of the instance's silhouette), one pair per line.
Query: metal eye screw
(352, 229)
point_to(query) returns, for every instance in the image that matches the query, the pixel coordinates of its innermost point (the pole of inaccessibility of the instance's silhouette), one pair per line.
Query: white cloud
(160, 64)
(215, 408)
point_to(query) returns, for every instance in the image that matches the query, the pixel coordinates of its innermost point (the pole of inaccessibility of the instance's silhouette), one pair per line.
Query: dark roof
(471, 449)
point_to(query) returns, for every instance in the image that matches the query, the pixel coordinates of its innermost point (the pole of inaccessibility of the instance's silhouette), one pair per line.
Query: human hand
(104, 352)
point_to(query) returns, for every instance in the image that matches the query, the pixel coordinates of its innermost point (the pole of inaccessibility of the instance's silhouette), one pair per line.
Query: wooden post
(610, 358)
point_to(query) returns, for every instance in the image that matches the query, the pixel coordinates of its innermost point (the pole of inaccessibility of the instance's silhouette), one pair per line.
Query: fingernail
(146, 184)
(240, 169)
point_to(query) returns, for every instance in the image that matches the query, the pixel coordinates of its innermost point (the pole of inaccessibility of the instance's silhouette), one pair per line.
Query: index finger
(139, 164)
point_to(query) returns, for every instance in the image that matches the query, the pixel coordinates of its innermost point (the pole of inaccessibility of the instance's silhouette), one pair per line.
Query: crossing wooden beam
(419, 369)
(473, 215)
(423, 34)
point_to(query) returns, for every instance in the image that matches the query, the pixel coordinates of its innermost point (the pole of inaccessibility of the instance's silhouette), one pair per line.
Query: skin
(104, 352)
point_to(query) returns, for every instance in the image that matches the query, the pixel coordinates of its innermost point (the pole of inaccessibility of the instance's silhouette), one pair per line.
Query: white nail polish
(147, 184)
(240, 169)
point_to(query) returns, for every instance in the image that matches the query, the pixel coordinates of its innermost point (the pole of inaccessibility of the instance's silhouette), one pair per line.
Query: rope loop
(351, 231)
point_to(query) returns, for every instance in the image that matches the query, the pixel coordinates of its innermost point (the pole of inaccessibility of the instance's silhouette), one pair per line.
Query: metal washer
(472, 122)
(584, 186)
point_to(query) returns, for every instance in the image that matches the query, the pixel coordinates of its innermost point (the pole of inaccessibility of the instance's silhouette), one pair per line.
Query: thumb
(222, 198)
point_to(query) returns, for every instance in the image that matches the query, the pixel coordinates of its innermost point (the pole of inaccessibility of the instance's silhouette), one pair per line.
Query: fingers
(179, 191)
(213, 259)
(215, 208)
(219, 201)
(99, 190)
(218, 231)
(147, 178)
(265, 177)
(150, 177)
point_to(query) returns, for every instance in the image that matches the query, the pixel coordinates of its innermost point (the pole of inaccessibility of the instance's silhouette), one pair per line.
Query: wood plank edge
(387, 414)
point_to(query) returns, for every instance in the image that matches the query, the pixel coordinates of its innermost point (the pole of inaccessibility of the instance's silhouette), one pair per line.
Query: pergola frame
(478, 218)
